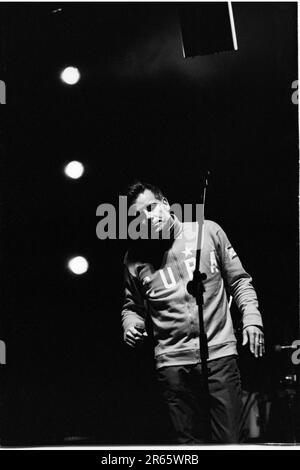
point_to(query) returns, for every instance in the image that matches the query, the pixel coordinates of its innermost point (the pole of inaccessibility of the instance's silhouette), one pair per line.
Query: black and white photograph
(149, 156)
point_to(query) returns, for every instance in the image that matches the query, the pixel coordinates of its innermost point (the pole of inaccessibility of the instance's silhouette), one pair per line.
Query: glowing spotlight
(74, 170)
(78, 265)
(70, 75)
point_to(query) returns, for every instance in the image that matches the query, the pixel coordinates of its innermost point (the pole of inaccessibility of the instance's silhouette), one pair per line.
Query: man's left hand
(255, 337)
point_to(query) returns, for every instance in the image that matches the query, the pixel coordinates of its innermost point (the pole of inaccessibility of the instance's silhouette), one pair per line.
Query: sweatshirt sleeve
(238, 281)
(133, 310)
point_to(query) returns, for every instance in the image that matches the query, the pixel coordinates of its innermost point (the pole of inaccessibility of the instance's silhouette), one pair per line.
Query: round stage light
(78, 265)
(70, 75)
(74, 170)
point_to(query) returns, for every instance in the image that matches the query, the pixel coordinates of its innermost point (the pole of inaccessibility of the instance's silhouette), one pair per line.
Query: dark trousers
(182, 388)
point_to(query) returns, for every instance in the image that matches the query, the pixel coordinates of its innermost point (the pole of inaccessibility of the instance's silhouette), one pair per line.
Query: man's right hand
(134, 336)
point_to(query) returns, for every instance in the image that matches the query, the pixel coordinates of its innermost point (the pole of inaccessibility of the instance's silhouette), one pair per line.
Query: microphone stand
(196, 288)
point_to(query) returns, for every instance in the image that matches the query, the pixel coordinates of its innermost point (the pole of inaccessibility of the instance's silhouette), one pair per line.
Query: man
(156, 276)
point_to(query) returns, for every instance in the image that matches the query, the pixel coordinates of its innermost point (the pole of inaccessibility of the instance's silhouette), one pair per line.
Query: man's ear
(166, 202)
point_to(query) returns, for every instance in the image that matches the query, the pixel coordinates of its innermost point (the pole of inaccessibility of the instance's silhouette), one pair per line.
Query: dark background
(140, 110)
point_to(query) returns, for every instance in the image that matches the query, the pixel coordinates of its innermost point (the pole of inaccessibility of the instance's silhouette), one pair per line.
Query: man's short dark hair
(138, 187)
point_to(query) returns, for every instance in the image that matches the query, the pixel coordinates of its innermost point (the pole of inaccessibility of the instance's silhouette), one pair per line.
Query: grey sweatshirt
(162, 293)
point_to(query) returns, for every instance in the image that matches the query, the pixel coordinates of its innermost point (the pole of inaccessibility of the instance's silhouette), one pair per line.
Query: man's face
(155, 210)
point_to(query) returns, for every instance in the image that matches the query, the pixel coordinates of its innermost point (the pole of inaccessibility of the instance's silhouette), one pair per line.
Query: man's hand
(255, 337)
(134, 336)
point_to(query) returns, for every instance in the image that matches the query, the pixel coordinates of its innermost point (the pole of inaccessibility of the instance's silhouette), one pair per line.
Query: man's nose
(148, 214)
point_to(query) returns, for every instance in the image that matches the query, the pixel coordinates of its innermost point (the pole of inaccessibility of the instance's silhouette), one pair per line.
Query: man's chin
(156, 233)
(157, 227)
(162, 232)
